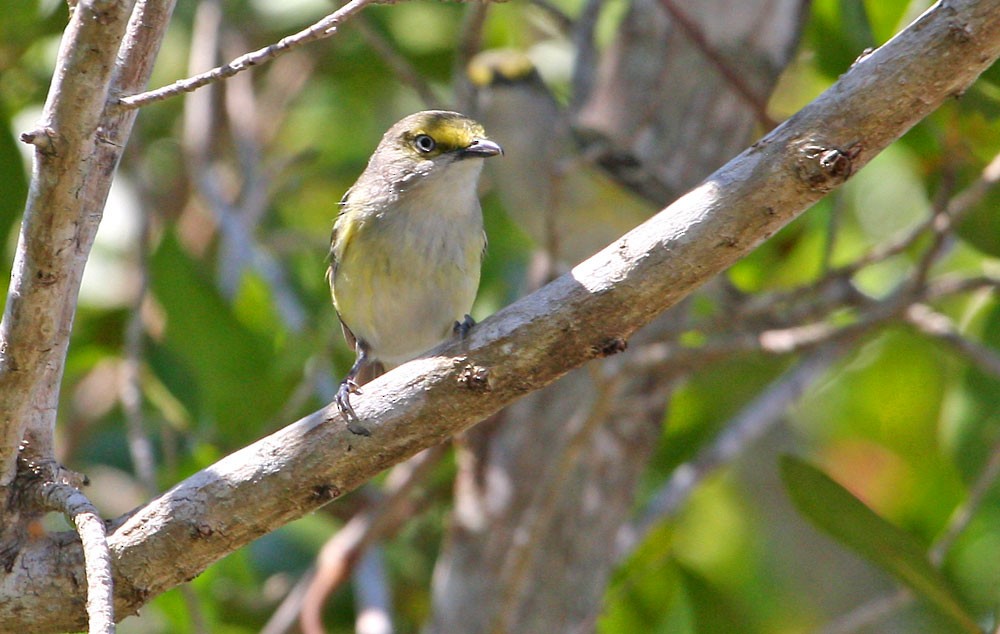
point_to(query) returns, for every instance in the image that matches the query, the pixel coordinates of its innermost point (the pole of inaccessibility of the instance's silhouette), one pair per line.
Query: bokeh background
(682, 483)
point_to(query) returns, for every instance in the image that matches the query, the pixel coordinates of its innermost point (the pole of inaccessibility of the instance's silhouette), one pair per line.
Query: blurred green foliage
(901, 422)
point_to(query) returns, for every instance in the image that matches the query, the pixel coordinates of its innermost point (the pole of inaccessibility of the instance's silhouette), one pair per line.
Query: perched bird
(407, 247)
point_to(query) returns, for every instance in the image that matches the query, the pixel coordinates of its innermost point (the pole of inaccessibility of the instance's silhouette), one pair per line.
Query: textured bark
(678, 101)
(107, 47)
(51, 251)
(587, 313)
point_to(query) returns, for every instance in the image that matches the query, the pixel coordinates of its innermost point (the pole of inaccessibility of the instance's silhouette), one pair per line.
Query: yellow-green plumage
(407, 246)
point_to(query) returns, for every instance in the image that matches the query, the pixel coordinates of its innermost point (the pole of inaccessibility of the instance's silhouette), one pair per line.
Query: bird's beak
(482, 148)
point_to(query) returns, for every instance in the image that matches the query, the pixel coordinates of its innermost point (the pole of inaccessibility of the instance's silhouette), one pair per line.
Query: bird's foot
(343, 400)
(463, 327)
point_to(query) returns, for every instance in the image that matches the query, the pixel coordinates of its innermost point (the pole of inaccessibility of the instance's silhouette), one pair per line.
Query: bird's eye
(424, 143)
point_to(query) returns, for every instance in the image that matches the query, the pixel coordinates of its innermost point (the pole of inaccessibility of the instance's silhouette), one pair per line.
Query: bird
(407, 246)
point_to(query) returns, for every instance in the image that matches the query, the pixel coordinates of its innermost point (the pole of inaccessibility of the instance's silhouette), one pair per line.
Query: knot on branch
(609, 346)
(475, 378)
(34, 491)
(324, 492)
(825, 167)
(42, 138)
(960, 33)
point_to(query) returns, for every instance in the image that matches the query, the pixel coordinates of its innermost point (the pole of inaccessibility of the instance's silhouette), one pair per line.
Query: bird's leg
(463, 327)
(350, 386)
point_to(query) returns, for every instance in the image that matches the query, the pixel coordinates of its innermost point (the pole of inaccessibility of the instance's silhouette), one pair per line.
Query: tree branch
(33, 331)
(694, 33)
(587, 313)
(68, 500)
(341, 553)
(748, 426)
(322, 29)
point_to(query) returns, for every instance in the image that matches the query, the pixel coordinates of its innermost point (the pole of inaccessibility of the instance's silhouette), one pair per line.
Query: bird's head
(430, 143)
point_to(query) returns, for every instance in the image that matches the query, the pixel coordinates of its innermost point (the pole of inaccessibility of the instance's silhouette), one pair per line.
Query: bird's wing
(332, 255)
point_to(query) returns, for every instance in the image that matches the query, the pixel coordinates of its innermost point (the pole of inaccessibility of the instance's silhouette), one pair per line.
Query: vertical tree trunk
(544, 487)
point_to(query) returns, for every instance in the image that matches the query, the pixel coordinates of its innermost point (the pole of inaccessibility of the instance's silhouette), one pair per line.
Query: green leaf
(885, 17)
(835, 510)
(214, 363)
(714, 610)
(980, 227)
(845, 32)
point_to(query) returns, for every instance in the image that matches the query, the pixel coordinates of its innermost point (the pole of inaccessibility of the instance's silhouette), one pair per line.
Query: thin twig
(320, 30)
(585, 65)
(470, 42)
(400, 66)
(941, 328)
(733, 78)
(834, 289)
(371, 594)
(562, 20)
(869, 613)
(832, 229)
(939, 225)
(341, 552)
(67, 499)
(130, 392)
(958, 206)
(965, 511)
(752, 422)
(240, 248)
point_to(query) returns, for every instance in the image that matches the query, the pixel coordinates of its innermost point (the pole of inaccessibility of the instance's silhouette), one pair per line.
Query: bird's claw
(348, 387)
(463, 327)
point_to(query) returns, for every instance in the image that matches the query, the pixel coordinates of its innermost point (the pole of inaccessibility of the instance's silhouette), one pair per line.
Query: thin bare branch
(60, 495)
(938, 224)
(869, 613)
(733, 78)
(752, 422)
(400, 66)
(340, 554)
(235, 214)
(139, 444)
(562, 20)
(965, 511)
(585, 64)
(372, 595)
(321, 29)
(941, 328)
(470, 42)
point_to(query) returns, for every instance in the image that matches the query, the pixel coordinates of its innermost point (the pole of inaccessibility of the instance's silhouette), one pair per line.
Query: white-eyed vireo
(407, 247)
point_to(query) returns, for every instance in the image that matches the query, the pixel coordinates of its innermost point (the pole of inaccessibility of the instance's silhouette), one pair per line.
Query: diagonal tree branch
(587, 313)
